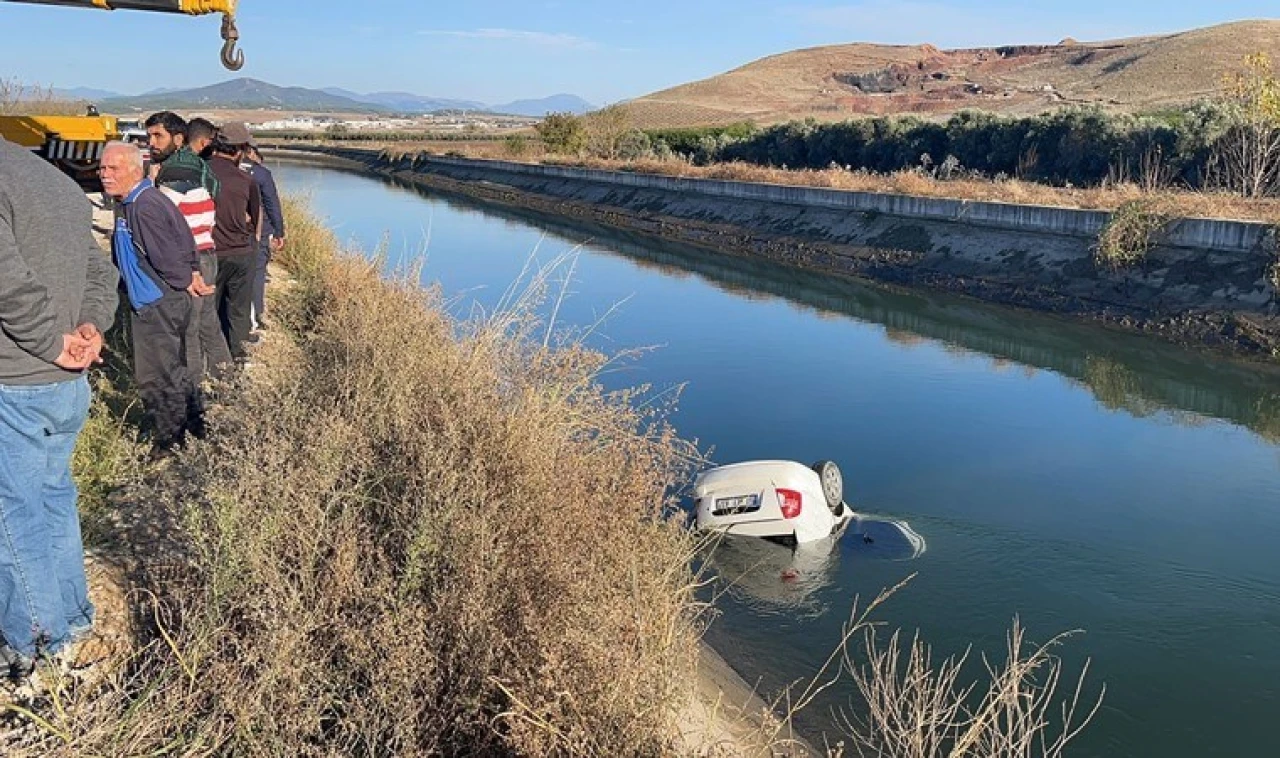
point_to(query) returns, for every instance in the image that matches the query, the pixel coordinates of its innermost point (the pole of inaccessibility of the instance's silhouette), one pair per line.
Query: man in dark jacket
(235, 235)
(272, 232)
(57, 297)
(186, 179)
(156, 255)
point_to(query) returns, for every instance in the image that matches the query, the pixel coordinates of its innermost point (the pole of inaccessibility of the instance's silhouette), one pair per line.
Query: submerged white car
(782, 501)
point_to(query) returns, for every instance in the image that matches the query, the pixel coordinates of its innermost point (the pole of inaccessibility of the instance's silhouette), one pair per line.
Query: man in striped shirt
(189, 183)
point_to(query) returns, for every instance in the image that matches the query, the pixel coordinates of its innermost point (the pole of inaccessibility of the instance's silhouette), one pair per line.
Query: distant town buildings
(459, 120)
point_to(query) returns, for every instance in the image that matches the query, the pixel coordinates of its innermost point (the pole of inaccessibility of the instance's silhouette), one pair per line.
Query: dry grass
(911, 706)
(17, 98)
(410, 536)
(108, 455)
(1169, 202)
(916, 708)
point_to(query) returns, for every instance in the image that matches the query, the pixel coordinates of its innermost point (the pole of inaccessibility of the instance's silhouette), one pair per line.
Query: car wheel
(832, 484)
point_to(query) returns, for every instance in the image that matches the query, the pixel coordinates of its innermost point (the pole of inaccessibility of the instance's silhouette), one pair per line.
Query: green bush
(1130, 233)
(563, 133)
(516, 145)
(635, 145)
(688, 140)
(1273, 270)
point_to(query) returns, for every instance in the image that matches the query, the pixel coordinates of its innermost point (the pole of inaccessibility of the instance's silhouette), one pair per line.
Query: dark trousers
(206, 344)
(260, 279)
(160, 366)
(235, 300)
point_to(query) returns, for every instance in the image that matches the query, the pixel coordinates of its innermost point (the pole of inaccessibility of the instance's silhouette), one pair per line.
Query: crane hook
(232, 58)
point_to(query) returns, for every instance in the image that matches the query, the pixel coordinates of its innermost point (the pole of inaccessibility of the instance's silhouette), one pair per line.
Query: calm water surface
(1074, 477)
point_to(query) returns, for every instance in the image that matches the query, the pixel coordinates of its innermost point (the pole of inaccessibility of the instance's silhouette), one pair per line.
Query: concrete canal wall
(1205, 281)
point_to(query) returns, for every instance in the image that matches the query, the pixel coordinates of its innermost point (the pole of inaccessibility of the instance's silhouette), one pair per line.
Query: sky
(501, 50)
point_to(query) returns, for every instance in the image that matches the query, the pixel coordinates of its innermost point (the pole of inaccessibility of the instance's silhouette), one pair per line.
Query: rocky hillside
(841, 81)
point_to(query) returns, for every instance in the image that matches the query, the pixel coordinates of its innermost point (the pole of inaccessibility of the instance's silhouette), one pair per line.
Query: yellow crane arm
(231, 58)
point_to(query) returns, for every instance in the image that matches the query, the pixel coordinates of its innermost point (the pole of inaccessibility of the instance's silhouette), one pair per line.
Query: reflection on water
(774, 579)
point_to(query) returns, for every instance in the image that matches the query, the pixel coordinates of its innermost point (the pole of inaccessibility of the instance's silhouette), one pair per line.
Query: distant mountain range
(254, 94)
(239, 94)
(406, 102)
(84, 93)
(543, 106)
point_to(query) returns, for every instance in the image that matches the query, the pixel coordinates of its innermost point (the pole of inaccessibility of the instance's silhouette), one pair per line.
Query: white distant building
(379, 124)
(297, 122)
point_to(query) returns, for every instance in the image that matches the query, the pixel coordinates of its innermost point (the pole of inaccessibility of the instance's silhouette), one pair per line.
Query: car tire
(832, 485)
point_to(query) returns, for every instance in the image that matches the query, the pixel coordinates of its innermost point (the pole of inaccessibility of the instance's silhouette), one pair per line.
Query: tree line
(1074, 146)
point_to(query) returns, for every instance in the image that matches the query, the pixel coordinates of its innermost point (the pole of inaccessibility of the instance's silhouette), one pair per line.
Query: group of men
(196, 222)
(210, 242)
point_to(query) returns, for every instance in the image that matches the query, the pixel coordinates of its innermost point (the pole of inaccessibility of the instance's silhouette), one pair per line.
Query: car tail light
(789, 502)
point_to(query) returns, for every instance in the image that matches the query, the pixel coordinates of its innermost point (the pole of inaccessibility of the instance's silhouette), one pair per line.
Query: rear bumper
(767, 528)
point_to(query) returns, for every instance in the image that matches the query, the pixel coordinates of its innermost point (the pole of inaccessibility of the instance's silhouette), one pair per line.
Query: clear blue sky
(500, 50)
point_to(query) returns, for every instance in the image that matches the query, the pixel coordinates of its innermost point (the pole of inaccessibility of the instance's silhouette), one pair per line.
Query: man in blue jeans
(57, 297)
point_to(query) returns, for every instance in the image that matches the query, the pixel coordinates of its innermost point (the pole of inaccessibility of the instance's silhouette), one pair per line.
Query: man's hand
(77, 353)
(198, 288)
(277, 244)
(90, 333)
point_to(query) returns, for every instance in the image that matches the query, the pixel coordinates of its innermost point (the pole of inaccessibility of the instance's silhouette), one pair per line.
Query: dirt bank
(726, 717)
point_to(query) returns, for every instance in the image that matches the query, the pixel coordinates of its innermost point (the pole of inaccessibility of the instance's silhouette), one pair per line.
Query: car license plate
(727, 506)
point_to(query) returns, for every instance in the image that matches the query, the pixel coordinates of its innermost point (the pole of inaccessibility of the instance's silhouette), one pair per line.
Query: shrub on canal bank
(1130, 233)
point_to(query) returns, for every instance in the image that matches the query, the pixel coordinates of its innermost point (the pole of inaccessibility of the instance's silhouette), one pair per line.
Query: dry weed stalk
(20, 99)
(916, 708)
(911, 706)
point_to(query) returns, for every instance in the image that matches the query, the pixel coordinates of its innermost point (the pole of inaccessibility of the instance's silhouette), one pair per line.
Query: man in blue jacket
(57, 297)
(156, 255)
(272, 232)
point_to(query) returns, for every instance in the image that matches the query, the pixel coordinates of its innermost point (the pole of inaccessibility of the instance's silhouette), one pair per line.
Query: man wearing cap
(235, 235)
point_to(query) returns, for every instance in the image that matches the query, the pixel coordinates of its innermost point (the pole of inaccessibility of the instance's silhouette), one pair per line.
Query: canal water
(1070, 476)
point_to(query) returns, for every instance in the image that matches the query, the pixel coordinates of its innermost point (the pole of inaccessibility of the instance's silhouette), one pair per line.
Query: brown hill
(842, 81)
